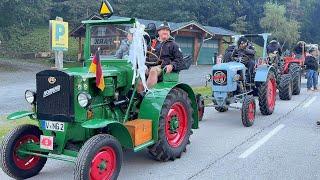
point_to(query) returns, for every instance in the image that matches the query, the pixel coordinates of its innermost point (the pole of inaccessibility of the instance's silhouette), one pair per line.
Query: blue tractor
(231, 84)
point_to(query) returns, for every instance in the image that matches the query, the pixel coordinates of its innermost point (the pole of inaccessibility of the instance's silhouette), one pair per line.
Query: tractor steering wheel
(240, 58)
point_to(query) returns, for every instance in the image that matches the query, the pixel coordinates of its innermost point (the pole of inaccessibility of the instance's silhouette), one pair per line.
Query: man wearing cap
(312, 66)
(168, 55)
(246, 50)
(274, 51)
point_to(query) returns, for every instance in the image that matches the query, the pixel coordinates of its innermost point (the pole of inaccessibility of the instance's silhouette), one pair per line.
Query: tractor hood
(232, 66)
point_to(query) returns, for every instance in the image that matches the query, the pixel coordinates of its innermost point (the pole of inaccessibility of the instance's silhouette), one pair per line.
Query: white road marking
(261, 142)
(307, 104)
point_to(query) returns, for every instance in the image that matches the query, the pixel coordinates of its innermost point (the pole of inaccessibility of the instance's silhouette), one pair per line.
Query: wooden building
(204, 43)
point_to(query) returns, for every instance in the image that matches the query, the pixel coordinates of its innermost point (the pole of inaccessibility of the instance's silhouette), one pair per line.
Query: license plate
(52, 125)
(46, 142)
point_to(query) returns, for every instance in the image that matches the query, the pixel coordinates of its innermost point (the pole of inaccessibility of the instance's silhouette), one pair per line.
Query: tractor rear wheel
(15, 164)
(267, 95)
(200, 102)
(285, 87)
(295, 71)
(248, 111)
(222, 108)
(99, 158)
(174, 127)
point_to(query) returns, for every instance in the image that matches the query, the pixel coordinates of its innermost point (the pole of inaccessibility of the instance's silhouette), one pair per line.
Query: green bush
(36, 40)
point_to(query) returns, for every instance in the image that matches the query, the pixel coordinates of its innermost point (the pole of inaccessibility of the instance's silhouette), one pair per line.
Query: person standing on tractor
(246, 50)
(312, 66)
(165, 54)
(300, 49)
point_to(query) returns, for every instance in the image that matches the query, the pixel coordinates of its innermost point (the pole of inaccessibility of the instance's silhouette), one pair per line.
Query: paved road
(284, 145)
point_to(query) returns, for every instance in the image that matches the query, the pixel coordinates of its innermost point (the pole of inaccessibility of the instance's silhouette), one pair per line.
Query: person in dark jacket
(300, 49)
(246, 50)
(227, 57)
(274, 46)
(168, 55)
(312, 66)
(274, 51)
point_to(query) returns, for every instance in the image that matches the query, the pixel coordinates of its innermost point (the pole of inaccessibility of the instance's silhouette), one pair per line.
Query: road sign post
(58, 40)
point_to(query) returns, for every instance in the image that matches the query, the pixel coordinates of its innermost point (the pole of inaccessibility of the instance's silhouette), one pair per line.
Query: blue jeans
(312, 79)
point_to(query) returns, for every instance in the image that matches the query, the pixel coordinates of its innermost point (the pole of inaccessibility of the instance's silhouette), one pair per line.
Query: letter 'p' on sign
(59, 35)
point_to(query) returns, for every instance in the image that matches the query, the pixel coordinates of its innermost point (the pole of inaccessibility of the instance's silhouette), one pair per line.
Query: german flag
(95, 67)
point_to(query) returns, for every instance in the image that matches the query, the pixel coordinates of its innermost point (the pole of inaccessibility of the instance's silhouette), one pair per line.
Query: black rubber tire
(7, 149)
(295, 71)
(222, 109)
(263, 96)
(285, 87)
(200, 103)
(161, 150)
(245, 110)
(90, 149)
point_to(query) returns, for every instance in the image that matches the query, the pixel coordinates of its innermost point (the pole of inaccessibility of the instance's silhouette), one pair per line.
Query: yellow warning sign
(106, 9)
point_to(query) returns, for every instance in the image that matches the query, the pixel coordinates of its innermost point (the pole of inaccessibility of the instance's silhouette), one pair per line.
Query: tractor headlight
(236, 77)
(30, 96)
(84, 99)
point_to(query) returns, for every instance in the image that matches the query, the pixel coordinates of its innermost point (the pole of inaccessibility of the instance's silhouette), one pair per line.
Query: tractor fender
(116, 129)
(262, 73)
(152, 103)
(20, 114)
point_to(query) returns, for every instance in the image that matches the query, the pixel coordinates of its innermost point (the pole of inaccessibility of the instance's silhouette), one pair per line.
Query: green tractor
(79, 123)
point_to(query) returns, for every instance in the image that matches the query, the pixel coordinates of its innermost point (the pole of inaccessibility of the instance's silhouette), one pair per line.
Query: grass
(204, 91)
(7, 126)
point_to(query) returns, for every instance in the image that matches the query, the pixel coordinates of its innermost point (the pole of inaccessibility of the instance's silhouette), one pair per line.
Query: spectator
(312, 66)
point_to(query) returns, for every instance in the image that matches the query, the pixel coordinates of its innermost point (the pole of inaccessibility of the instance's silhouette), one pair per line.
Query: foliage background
(24, 23)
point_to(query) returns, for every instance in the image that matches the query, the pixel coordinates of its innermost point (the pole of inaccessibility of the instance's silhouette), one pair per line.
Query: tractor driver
(274, 51)
(246, 50)
(168, 56)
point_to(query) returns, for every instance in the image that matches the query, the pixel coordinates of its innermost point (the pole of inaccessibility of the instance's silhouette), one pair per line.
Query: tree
(275, 22)
(240, 26)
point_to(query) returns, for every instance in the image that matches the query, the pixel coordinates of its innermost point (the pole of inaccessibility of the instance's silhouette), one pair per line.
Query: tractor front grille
(54, 96)
(219, 77)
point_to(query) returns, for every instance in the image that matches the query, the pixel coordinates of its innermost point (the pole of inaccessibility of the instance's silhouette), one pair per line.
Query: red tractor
(294, 65)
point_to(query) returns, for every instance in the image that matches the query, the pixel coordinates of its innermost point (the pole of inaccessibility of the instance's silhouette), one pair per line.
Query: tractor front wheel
(99, 158)
(18, 165)
(248, 111)
(174, 127)
(285, 87)
(267, 95)
(295, 71)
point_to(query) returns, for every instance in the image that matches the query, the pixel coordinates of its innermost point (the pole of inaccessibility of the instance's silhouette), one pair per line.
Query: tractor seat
(174, 76)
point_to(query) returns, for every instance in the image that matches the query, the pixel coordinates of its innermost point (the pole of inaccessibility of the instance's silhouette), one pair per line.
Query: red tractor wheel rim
(25, 162)
(271, 93)
(251, 111)
(103, 164)
(176, 124)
